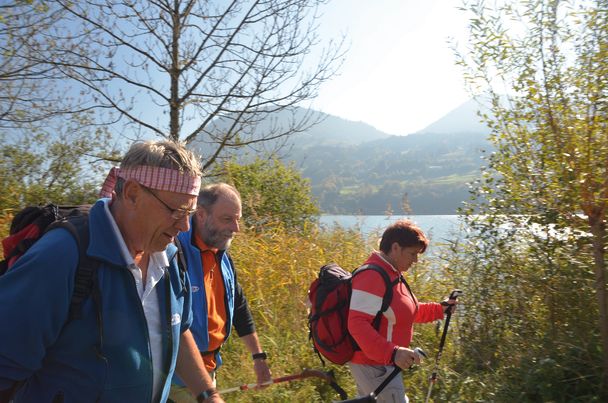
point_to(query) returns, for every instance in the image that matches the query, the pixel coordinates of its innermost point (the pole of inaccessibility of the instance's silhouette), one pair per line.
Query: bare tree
(204, 71)
(51, 144)
(25, 83)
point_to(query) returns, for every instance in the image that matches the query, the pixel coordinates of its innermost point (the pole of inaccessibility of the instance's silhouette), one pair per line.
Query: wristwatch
(261, 355)
(206, 395)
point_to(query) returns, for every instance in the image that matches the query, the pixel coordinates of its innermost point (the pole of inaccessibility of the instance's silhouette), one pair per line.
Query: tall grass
(6, 216)
(275, 269)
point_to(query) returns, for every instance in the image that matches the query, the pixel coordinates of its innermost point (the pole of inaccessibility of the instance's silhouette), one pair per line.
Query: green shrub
(272, 193)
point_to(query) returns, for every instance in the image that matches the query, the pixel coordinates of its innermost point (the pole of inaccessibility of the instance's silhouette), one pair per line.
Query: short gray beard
(213, 238)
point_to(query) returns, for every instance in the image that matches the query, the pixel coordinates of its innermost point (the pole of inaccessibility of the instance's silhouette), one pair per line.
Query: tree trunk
(598, 229)
(174, 77)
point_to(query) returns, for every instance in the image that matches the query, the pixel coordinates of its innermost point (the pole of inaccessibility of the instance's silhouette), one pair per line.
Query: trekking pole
(454, 295)
(372, 397)
(306, 373)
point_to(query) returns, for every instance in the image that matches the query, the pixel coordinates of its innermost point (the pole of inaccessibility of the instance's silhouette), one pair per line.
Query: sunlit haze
(399, 74)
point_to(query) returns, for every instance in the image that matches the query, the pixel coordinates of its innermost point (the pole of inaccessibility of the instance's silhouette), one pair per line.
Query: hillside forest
(425, 173)
(354, 168)
(532, 324)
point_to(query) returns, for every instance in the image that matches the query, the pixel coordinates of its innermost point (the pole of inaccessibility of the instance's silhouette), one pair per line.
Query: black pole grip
(455, 294)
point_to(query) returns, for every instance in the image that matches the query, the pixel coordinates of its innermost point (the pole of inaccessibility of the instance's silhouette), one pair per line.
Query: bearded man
(218, 302)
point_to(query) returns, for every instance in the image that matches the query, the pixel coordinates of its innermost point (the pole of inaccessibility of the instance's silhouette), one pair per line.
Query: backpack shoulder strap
(388, 294)
(85, 281)
(78, 226)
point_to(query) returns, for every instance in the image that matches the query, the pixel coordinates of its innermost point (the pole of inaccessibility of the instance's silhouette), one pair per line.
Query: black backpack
(31, 223)
(329, 296)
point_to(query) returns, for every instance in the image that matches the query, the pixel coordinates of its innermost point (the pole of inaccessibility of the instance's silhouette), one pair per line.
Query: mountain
(462, 119)
(333, 130)
(355, 168)
(330, 130)
(432, 167)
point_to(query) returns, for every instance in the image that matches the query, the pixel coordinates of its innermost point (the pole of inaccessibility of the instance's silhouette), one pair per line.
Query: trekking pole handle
(421, 353)
(455, 294)
(418, 351)
(449, 306)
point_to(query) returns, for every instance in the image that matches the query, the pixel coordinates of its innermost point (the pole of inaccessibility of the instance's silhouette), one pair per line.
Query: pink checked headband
(157, 178)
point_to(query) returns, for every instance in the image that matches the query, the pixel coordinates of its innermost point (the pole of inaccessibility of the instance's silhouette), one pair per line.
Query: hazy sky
(399, 75)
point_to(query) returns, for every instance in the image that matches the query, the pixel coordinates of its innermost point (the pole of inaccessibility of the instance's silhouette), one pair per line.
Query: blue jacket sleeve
(34, 304)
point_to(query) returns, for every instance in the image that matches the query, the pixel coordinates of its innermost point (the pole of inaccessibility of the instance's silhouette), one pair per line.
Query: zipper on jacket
(143, 314)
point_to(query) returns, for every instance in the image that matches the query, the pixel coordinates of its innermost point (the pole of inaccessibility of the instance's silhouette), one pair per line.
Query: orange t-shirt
(216, 305)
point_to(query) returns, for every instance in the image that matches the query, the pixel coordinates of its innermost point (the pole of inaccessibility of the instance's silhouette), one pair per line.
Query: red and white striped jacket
(396, 324)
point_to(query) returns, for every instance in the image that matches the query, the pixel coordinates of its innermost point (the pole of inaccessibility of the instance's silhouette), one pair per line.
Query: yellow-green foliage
(5, 223)
(275, 269)
(272, 192)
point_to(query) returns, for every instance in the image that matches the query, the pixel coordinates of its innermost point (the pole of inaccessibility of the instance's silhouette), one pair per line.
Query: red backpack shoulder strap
(388, 294)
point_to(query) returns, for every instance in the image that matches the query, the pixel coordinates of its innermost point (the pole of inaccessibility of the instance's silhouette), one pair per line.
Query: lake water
(437, 227)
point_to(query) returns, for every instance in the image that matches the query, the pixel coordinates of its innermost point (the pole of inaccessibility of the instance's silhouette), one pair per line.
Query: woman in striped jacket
(387, 346)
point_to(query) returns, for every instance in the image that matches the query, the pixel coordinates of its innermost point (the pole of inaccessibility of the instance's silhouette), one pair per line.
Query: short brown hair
(405, 233)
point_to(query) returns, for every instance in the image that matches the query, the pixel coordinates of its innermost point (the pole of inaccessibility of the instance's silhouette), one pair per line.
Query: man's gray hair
(163, 154)
(210, 193)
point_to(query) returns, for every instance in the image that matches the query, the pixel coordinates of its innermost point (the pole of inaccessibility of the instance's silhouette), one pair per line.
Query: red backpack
(329, 297)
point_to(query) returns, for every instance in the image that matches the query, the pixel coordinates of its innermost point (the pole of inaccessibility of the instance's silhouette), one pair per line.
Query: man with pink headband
(133, 331)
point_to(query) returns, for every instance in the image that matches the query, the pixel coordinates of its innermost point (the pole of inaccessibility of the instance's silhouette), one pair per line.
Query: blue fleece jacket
(199, 297)
(56, 358)
(237, 308)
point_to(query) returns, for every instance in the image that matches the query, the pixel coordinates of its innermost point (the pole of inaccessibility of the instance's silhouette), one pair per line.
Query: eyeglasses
(176, 213)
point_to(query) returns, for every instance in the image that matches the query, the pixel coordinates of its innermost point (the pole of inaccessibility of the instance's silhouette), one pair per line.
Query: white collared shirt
(148, 294)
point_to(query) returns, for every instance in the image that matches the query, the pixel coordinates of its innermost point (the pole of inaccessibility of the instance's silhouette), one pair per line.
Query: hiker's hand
(262, 372)
(405, 358)
(449, 305)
